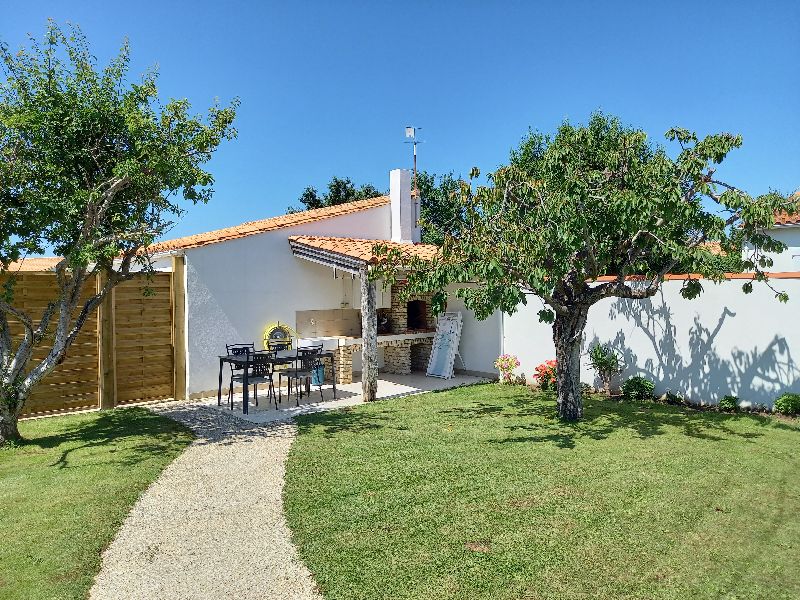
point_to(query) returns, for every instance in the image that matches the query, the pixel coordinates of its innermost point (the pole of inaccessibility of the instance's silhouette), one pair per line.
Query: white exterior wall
(481, 341)
(724, 342)
(789, 259)
(236, 288)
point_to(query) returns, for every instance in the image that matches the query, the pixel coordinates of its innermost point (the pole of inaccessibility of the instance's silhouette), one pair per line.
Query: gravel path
(212, 525)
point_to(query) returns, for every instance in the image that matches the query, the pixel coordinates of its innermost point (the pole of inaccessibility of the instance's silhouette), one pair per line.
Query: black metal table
(242, 361)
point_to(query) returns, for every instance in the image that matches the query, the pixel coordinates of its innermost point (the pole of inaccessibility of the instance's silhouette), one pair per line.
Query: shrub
(674, 398)
(546, 374)
(638, 388)
(788, 404)
(606, 364)
(728, 403)
(506, 363)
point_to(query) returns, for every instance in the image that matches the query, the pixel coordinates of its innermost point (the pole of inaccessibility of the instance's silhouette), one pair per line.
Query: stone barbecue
(406, 347)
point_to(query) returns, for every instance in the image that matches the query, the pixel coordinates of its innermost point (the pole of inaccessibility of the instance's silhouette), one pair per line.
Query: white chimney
(405, 209)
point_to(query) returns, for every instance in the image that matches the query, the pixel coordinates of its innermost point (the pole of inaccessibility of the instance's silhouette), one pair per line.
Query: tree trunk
(369, 335)
(567, 336)
(9, 401)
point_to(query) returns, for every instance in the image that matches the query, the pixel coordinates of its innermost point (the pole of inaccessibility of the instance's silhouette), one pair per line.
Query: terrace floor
(389, 386)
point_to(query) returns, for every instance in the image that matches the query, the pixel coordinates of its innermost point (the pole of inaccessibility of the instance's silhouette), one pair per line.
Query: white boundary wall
(724, 342)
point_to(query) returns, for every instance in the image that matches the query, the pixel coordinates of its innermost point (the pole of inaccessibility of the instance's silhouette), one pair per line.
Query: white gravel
(212, 525)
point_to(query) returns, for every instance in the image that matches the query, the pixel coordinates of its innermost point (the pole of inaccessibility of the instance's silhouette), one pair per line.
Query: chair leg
(271, 391)
(255, 393)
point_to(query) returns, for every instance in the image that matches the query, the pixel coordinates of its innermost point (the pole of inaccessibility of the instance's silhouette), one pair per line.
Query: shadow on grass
(603, 417)
(148, 432)
(349, 421)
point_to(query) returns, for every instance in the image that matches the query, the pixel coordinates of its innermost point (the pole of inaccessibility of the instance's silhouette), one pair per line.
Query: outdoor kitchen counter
(343, 340)
(397, 351)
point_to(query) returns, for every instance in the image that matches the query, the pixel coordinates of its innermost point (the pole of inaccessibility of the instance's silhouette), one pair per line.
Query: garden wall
(724, 342)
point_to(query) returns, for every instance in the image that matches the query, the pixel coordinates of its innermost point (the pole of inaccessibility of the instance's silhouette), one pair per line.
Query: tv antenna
(411, 133)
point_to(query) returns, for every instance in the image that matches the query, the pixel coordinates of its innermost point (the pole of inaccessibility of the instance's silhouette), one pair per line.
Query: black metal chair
(317, 348)
(308, 361)
(237, 350)
(261, 371)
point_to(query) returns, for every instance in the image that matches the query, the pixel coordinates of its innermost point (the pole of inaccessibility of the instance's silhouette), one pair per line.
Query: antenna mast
(411, 132)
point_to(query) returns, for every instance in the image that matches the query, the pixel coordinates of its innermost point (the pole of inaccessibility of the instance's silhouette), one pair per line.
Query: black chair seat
(252, 379)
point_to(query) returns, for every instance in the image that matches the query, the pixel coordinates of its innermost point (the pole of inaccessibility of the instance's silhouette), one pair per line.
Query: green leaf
(546, 315)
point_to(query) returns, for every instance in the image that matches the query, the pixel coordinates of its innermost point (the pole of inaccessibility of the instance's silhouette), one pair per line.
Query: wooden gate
(124, 353)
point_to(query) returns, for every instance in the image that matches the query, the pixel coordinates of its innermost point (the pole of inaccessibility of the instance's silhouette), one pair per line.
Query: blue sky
(327, 87)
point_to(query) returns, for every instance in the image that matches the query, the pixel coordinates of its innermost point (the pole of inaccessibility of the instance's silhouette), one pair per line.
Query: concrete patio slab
(389, 386)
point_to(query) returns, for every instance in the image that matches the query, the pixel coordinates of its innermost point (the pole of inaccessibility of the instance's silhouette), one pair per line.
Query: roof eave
(327, 258)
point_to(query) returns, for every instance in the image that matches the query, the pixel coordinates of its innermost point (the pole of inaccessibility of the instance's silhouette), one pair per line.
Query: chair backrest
(309, 357)
(279, 345)
(261, 364)
(239, 350)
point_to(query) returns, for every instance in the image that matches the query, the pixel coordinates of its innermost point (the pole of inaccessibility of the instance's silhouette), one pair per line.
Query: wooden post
(179, 326)
(369, 333)
(108, 356)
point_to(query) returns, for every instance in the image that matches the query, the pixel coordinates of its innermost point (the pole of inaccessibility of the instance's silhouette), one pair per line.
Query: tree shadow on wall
(702, 374)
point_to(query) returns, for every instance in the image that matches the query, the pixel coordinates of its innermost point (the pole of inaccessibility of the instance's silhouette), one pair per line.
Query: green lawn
(480, 493)
(66, 490)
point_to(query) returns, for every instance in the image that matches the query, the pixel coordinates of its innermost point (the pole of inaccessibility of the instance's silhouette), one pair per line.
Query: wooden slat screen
(143, 339)
(74, 383)
(143, 345)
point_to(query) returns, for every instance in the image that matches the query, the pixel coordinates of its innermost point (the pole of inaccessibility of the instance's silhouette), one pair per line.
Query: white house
(301, 270)
(787, 230)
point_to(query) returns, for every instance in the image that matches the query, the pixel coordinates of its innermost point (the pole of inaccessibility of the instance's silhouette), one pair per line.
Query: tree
(340, 191)
(439, 206)
(93, 168)
(587, 202)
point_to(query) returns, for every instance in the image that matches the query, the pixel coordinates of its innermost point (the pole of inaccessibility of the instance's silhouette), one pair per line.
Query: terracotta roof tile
(361, 249)
(34, 265)
(271, 224)
(713, 248)
(783, 218)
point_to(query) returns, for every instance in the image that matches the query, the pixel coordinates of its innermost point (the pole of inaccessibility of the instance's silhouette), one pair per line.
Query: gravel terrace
(212, 525)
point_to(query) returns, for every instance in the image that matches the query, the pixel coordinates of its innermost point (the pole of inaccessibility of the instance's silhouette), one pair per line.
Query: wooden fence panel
(143, 340)
(74, 384)
(142, 343)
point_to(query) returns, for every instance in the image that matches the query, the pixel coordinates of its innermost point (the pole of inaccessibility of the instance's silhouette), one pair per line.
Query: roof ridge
(268, 224)
(352, 239)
